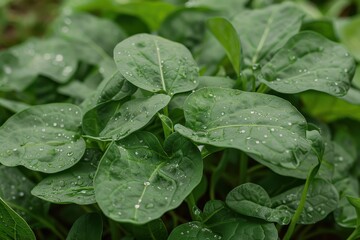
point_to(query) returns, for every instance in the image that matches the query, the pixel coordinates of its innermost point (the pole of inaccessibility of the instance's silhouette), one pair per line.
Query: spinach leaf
(138, 180)
(267, 127)
(309, 61)
(150, 63)
(88, 226)
(12, 225)
(43, 138)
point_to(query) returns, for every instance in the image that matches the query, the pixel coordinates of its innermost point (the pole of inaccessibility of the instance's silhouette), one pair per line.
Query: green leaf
(12, 226)
(268, 128)
(226, 8)
(138, 181)
(15, 189)
(89, 29)
(193, 231)
(227, 224)
(349, 35)
(154, 230)
(226, 34)
(219, 222)
(13, 106)
(328, 108)
(309, 61)
(252, 200)
(74, 185)
(53, 58)
(211, 81)
(274, 26)
(150, 62)
(345, 214)
(112, 88)
(88, 226)
(322, 199)
(124, 120)
(76, 89)
(192, 25)
(43, 138)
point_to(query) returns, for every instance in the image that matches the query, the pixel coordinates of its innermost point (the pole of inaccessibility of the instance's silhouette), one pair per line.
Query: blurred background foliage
(20, 19)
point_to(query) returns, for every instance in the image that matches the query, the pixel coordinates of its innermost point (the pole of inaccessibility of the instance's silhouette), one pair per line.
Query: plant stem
(300, 208)
(216, 174)
(190, 200)
(243, 168)
(167, 132)
(262, 88)
(114, 230)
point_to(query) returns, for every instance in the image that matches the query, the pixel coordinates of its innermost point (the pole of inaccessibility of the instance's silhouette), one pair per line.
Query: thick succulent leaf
(252, 200)
(309, 61)
(137, 181)
(15, 189)
(150, 62)
(322, 199)
(274, 26)
(226, 223)
(88, 226)
(267, 127)
(12, 225)
(226, 34)
(129, 117)
(345, 214)
(78, 25)
(43, 138)
(74, 185)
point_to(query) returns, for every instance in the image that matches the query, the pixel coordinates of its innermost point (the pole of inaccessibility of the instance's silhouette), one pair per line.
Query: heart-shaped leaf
(138, 181)
(151, 63)
(74, 185)
(309, 61)
(43, 138)
(12, 226)
(267, 127)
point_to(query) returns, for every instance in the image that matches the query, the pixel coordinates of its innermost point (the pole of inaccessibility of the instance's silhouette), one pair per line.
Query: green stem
(115, 234)
(190, 200)
(216, 174)
(262, 88)
(167, 131)
(300, 208)
(243, 168)
(355, 234)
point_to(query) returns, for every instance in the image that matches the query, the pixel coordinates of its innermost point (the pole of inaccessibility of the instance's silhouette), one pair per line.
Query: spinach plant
(213, 126)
